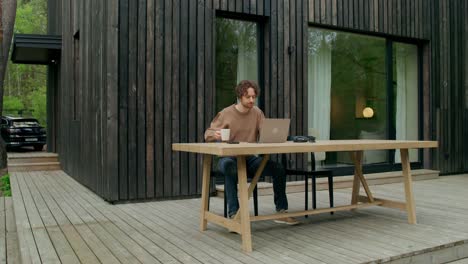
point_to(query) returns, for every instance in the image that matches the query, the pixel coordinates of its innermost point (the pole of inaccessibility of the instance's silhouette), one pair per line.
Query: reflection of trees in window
(319, 38)
(365, 55)
(352, 67)
(359, 74)
(236, 42)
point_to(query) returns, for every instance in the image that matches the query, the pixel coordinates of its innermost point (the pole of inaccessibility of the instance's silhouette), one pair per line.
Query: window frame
(391, 165)
(261, 22)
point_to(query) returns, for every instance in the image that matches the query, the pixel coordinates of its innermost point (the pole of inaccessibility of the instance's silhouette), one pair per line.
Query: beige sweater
(244, 126)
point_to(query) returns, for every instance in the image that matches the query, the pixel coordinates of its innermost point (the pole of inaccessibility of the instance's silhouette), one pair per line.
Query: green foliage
(12, 105)
(31, 17)
(38, 105)
(25, 84)
(5, 185)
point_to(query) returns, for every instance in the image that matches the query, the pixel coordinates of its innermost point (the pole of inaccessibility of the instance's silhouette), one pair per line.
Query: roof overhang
(36, 49)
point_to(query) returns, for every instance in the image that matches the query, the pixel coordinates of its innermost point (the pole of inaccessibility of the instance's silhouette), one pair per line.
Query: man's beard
(248, 105)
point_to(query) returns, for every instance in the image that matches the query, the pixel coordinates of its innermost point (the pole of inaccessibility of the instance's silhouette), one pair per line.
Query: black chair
(314, 174)
(218, 175)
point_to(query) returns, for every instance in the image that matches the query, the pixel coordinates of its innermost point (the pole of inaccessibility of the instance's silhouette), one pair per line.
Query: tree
(7, 21)
(23, 79)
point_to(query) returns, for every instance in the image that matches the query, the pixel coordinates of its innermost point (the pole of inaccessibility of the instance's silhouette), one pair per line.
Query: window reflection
(348, 92)
(347, 79)
(236, 57)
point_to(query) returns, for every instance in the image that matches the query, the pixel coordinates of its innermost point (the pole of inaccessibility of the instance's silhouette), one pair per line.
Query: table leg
(410, 207)
(255, 179)
(243, 204)
(357, 158)
(205, 190)
(259, 171)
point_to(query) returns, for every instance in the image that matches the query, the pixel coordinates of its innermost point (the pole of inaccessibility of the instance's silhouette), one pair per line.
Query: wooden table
(241, 223)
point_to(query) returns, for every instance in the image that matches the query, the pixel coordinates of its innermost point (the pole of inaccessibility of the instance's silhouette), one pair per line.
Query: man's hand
(217, 134)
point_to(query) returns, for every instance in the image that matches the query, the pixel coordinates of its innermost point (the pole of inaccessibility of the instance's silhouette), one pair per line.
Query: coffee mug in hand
(225, 134)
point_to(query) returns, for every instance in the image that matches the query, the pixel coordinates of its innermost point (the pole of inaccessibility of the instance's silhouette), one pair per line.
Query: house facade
(136, 76)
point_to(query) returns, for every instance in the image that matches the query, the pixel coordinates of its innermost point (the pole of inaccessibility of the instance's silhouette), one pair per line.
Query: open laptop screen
(274, 130)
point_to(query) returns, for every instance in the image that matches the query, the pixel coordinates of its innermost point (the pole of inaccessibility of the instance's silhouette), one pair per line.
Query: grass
(5, 185)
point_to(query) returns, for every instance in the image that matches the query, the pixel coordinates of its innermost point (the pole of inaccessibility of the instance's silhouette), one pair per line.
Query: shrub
(12, 105)
(5, 185)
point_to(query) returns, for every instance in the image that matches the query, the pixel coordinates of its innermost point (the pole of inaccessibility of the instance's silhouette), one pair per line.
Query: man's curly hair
(241, 88)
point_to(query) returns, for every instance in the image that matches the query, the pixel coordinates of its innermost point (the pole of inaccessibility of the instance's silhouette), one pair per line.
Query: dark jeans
(228, 167)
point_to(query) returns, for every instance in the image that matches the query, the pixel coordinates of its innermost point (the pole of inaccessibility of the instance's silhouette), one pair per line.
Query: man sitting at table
(244, 120)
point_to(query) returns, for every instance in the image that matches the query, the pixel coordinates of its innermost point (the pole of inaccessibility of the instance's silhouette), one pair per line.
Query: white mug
(225, 134)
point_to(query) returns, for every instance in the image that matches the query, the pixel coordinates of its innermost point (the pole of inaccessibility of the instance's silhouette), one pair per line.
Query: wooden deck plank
(12, 250)
(426, 236)
(141, 247)
(194, 254)
(314, 242)
(89, 233)
(316, 231)
(159, 243)
(127, 231)
(3, 231)
(431, 202)
(115, 214)
(43, 241)
(27, 244)
(345, 199)
(304, 229)
(67, 201)
(80, 248)
(62, 246)
(182, 234)
(227, 245)
(212, 247)
(265, 246)
(171, 227)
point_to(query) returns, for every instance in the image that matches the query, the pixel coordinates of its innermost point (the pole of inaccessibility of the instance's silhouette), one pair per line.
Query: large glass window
(348, 92)
(236, 57)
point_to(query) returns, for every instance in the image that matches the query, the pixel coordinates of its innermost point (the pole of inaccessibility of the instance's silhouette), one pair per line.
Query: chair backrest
(319, 156)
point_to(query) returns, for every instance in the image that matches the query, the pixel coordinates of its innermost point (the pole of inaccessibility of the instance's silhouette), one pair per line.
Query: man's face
(248, 100)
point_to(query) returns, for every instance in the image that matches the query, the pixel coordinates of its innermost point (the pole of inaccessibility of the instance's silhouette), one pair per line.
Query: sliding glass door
(350, 95)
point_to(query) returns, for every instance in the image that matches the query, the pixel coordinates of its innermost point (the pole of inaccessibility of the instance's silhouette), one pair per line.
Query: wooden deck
(9, 252)
(59, 220)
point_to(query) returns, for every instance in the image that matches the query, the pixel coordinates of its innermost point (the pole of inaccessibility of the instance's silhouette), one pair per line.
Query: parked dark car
(22, 131)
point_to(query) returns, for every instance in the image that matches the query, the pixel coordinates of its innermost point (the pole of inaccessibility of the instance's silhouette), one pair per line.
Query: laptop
(274, 130)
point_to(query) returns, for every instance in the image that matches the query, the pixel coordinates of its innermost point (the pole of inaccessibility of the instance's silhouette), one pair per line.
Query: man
(244, 120)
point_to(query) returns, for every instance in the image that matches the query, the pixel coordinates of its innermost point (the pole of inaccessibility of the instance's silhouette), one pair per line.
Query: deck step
(448, 253)
(31, 157)
(32, 161)
(9, 249)
(41, 166)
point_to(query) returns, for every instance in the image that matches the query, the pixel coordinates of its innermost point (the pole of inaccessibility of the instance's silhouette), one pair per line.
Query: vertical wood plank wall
(87, 141)
(146, 79)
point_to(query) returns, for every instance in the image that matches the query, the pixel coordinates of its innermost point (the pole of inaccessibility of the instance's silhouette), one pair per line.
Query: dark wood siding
(146, 80)
(448, 78)
(87, 139)
(180, 89)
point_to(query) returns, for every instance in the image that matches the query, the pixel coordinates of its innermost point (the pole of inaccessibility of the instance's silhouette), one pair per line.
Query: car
(22, 131)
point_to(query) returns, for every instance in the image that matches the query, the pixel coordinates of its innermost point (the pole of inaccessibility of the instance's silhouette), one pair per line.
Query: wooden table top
(224, 149)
